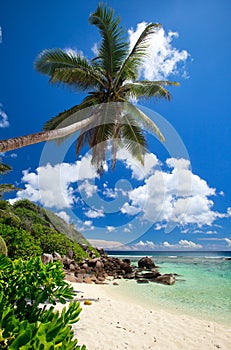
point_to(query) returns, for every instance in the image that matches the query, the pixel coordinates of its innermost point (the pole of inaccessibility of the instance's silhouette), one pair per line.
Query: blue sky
(151, 206)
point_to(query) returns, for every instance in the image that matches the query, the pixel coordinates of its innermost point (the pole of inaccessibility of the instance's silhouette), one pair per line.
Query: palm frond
(147, 89)
(129, 69)
(7, 188)
(65, 68)
(4, 168)
(113, 48)
(72, 115)
(144, 119)
(133, 138)
(97, 138)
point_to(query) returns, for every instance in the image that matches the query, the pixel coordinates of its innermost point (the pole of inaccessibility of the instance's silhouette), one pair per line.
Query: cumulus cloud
(88, 223)
(130, 209)
(163, 58)
(51, 185)
(109, 193)
(63, 215)
(183, 243)
(4, 123)
(175, 195)
(139, 171)
(93, 214)
(95, 49)
(110, 228)
(87, 188)
(141, 245)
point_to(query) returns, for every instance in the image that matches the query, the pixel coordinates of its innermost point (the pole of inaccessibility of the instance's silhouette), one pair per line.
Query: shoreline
(112, 322)
(127, 291)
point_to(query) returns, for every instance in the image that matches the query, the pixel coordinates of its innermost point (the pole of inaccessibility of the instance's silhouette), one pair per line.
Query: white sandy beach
(112, 323)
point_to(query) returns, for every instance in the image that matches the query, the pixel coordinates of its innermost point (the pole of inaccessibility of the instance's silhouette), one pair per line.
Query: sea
(202, 287)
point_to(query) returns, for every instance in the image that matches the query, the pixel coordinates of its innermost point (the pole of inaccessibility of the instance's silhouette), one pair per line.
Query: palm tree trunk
(31, 139)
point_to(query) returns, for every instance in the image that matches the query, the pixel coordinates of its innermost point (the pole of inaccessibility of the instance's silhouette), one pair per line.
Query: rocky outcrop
(146, 263)
(98, 269)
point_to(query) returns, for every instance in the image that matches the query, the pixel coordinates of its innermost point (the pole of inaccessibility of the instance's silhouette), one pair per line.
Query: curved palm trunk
(31, 139)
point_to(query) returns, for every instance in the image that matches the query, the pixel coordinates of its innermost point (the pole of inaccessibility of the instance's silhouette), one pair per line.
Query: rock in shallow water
(146, 262)
(168, 279)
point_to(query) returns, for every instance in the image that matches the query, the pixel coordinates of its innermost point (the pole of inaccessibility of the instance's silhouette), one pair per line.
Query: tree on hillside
(112, 77)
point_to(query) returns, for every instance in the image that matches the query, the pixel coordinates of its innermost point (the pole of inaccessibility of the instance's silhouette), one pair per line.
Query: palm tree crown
(111, 77)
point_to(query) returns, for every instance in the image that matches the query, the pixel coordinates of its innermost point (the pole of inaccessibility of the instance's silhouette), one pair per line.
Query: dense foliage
(3, 247)
(24, 323)
(28, 231)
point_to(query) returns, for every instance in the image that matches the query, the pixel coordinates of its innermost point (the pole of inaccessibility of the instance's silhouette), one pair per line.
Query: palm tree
(111, 78)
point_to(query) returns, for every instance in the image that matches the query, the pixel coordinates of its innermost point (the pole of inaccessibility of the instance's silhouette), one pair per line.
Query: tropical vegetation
(29, 231)
(26, 321)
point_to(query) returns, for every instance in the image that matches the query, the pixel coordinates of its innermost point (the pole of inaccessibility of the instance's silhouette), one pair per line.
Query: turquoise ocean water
(202, 288)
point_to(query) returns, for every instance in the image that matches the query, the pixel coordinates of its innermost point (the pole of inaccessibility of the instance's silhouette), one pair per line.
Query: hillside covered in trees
(30, 230)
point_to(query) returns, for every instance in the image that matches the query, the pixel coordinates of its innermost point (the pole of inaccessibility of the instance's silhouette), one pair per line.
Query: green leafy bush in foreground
(24, 324)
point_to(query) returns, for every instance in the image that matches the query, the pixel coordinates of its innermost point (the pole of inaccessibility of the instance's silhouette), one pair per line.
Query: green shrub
(51, 241)
(28, 217)
(19, 242)
(4, 204)
(9, 218)
(23, 323)
(3, 247)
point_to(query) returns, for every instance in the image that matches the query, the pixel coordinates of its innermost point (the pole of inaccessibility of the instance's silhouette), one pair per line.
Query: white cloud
(147, 245)
(189, 244)
(139, 171)
(211, 232)
(228, 241)
(177, 196)
(129, 209)
(88, 188)
(93, 214)
(87, 226)
(109, 193)
(163, 58)
(158, 226)
(110, 228)
(183, 243)
(0, 35)
(88, 222)
(95, 49)
(63, 215)
(4, 123)
(51, 185)
(73, 52)
(128, 228)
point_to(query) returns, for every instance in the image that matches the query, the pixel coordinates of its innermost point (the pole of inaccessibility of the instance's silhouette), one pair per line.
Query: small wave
(172, 256)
